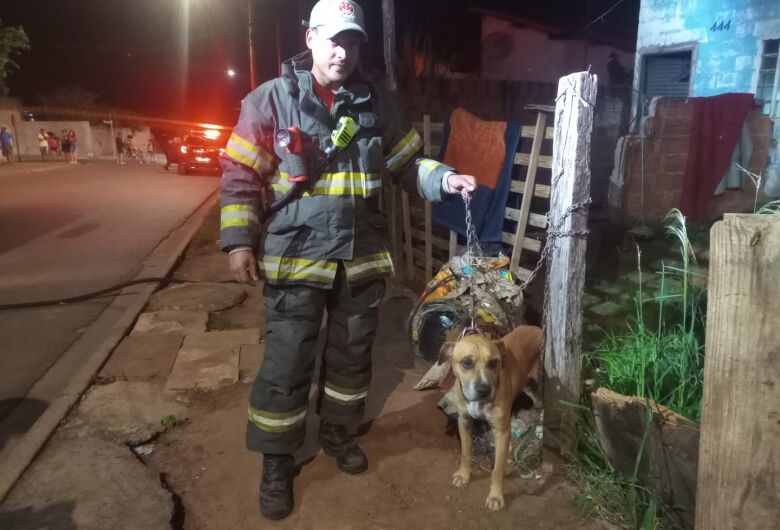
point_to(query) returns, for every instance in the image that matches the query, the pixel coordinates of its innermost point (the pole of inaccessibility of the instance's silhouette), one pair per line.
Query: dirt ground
(407, 485)
(214, 480)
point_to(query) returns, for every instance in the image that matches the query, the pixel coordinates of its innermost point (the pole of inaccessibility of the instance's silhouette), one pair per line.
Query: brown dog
(489, 377)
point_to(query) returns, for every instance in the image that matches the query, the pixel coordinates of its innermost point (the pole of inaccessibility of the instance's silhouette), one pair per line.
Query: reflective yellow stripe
(238, 215)
(429, 166)
(276, 421)
(404, 151)
(292, 269)
(379, 263)
(245, 152)
(246, 144)
(342, 183)
(344, 395)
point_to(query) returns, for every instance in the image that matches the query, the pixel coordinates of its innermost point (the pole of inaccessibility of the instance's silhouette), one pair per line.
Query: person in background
(150, 151)
(65, 139)
(120, 149)
(131, 148)
(43, 144)
(7, 145)
(74, 145)
(54, 144)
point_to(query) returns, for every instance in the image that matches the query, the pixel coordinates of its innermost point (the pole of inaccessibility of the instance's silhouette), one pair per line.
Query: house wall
(653, 187)
(534, 56)
(725, 58)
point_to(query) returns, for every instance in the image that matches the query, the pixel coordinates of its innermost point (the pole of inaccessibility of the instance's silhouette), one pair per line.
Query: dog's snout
(483, 389)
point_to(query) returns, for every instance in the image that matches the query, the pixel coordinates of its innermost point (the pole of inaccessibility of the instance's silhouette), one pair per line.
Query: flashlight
(291, 141)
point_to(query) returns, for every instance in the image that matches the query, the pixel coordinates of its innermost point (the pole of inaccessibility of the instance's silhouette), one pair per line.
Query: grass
(663, 362)
(603, 493)
(659, 358)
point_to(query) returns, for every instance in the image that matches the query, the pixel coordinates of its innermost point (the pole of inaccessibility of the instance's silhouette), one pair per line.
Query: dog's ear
(501, 347)
(445, 353)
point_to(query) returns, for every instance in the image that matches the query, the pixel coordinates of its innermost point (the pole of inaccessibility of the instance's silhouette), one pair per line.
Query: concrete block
(128, 412)
(171, 321)
(143, 356)
(209, 361)
(249, 359)
(198, 297)
(88, 483)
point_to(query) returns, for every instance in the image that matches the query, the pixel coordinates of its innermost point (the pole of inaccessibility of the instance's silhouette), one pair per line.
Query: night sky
(132, 53)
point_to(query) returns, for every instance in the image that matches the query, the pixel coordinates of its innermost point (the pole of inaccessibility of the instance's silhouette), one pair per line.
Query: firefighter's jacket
(337, 218)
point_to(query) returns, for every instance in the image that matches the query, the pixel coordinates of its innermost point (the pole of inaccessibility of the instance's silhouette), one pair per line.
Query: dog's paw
(494, 503)
(461, 478)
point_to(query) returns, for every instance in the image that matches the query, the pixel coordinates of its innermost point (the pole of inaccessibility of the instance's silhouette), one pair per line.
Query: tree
(70, 97)
(13, 40)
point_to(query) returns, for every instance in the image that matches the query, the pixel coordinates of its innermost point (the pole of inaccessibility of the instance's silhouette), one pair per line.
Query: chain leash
(473, 250)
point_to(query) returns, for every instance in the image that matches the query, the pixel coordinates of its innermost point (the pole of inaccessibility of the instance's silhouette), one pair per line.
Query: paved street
(70, 229)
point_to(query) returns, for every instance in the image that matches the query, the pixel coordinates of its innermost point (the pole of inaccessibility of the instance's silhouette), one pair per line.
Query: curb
(91, 351)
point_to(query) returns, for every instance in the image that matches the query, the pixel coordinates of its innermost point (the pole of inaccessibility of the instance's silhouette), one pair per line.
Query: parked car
(200, 150)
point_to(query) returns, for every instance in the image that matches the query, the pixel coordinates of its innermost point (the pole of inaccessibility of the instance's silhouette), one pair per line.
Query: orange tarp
(476, 147)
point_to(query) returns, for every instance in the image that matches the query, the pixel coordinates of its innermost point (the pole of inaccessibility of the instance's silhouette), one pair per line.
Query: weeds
(603, 493)
(662, 361)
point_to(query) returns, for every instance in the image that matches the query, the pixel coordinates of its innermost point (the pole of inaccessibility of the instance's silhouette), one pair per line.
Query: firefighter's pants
(293, 316)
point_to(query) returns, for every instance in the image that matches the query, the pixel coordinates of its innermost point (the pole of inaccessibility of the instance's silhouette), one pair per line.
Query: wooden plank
(524, 159)
(666, 445)
(427, 135)
(739, 451)
(428, 240)
(540, 190)
(528, 243)
(395, 234)
(566, 260)
(534, 219)
(407, 218)
(417, 213)
(530, 181)
(521, 273)
(529, 131)
(437, 242)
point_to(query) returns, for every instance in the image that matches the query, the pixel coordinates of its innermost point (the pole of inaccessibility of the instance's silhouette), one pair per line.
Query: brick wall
(665, 157)
(505, 100)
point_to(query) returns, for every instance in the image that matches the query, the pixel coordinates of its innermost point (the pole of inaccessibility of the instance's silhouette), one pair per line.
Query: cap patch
(346, 9)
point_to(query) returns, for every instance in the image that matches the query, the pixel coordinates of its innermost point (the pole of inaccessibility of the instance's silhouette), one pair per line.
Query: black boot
(337, 442)
(276, 486)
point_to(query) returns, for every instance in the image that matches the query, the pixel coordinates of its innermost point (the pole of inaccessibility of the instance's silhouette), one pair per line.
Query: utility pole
(252, 73)
(388, 18)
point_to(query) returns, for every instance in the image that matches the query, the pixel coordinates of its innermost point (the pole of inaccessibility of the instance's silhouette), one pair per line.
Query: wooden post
(739, 449)
(566, 260)
(388, 26)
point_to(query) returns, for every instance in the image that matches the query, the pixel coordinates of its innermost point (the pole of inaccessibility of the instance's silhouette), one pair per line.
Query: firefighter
(323, 250)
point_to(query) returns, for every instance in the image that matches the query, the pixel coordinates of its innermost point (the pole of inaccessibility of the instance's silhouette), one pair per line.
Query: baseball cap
(331, 17)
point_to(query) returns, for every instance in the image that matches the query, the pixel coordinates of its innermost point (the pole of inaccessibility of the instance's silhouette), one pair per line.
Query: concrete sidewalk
(158, 441)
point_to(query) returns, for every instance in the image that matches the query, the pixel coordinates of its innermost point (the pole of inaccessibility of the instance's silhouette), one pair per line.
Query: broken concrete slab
(172, 321)
(249, 314)
(210, 361)
(128, 412)
(211, 267)
(87, 483)
(143, 356)
(198, 297)
(249, 359)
